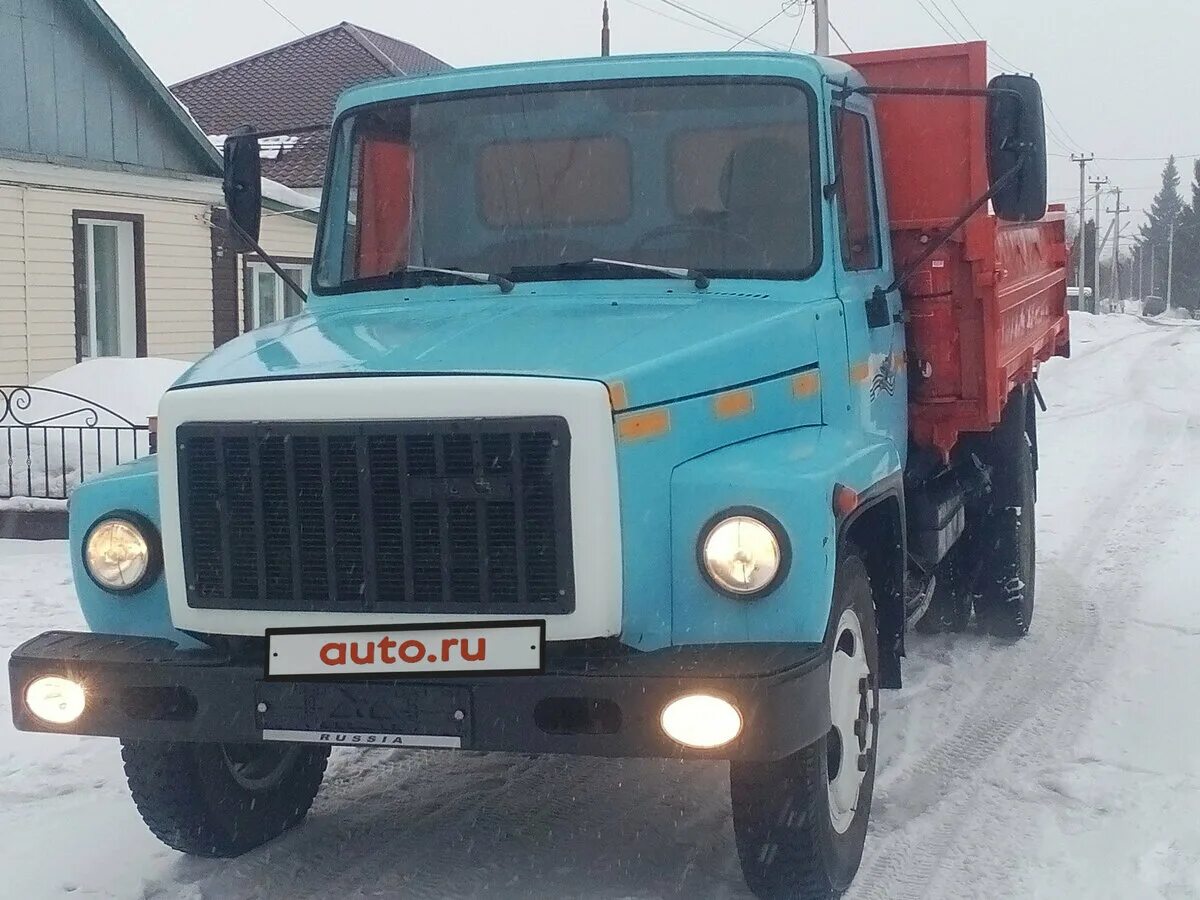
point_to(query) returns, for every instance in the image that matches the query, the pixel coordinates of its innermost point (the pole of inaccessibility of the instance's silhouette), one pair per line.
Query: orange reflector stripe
(732, 404)
(845, 500)
(618, 395)
(806, 385)
(644, 425)
(860, 372)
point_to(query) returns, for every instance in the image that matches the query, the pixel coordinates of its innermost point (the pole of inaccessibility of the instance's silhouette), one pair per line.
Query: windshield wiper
(503, 283)
(700, 278)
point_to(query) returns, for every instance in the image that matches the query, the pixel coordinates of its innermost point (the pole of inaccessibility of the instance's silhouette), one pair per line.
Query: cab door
(864, 270)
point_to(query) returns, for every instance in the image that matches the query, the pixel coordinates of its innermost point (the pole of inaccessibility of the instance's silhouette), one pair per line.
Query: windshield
(712, 177)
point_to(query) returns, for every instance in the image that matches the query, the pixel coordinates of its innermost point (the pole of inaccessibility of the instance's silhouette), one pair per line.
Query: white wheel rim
(851, 710)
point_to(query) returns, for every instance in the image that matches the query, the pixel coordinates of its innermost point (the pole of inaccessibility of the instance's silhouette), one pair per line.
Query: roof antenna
(605, 45)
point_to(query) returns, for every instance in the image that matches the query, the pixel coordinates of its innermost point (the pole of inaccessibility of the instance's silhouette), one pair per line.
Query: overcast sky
(1088, 54)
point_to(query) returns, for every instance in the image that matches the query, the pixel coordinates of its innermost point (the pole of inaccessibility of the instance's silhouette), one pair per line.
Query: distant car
(1154, 306)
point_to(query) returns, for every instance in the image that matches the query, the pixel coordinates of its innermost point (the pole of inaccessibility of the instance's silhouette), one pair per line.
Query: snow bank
(131, 388)
(69, 438)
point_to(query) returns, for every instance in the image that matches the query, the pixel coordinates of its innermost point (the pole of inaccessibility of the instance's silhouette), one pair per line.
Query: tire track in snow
(1045, 682)
(435, 825)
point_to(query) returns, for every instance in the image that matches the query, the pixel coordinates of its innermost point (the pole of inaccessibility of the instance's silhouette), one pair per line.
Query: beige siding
(37, 303)
(285, 235)
(178, 269)
(13, 325)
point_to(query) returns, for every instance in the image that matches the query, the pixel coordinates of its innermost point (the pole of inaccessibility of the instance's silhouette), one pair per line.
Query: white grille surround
(595, 505)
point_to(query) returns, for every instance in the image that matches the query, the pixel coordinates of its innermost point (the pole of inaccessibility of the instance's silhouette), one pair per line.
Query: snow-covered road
(1067, 765)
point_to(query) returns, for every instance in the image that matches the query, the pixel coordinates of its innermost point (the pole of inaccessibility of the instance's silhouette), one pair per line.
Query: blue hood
(659, 346)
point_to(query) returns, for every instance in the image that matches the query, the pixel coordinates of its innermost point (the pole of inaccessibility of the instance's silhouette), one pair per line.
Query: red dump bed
(992, 304)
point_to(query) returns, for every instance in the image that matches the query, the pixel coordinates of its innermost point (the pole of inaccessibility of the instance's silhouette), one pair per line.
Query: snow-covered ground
(1065, 766)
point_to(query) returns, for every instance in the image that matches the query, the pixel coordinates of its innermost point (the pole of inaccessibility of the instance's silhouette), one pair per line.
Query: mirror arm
(892, 91)
(266, 257)
(911, 269)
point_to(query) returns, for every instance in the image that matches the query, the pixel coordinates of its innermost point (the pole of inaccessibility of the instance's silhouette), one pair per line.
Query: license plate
(492, 648)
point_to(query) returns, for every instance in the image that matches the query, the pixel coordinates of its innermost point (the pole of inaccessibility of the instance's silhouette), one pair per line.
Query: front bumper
(588, 702)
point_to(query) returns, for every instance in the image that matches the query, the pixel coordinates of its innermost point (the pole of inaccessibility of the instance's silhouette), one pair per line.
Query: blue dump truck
(624, 420)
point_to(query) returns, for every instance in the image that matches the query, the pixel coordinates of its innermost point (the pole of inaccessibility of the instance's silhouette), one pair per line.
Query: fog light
(701, 721)
(59, 701)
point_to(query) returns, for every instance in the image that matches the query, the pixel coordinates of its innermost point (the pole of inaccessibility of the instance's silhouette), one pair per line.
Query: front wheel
(801, 822)
(222, 800)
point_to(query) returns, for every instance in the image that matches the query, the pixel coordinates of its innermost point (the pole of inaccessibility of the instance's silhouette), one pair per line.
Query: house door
(106, 289)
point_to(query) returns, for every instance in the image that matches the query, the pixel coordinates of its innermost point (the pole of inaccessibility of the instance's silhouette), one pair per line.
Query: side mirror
(1016, 137)
(243, 182)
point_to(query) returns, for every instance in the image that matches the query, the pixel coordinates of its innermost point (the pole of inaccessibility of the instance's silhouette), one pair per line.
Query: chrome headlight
(745, 554)
(120, 552)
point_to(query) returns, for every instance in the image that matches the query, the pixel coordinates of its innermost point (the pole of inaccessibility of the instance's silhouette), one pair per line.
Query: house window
(268, 298)
(108, 261)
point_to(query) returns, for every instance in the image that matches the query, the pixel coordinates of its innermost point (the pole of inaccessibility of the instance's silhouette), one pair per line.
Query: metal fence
(50, 441)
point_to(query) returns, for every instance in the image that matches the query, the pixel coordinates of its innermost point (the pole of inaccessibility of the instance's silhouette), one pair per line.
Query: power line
(845, 43)
(1149, 158)
(724, 26)
(676, 19)
(1066, 139)
(784, 7)
(941, 12)
(799, 25)
(956, 36)
(1136, 158)
(1055, 117)
(970, 24)
(283, 16)
(979, 34)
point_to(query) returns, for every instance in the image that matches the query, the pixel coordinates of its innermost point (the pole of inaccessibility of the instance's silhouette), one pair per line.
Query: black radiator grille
(414, 516)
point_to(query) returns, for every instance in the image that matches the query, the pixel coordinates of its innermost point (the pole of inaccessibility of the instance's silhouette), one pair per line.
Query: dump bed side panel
(991, 305)
(934, 158)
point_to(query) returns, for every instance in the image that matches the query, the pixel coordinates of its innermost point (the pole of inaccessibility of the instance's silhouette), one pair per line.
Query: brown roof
(295, 85)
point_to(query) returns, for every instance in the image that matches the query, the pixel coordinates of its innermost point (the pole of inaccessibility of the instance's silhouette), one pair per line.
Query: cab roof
(598, 69)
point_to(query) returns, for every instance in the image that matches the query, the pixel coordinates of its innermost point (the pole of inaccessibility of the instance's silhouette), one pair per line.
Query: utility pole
(1083, 160)
(1153, 266)
(605, 45)
(1137, 273)
(1170, 264)
(1097, 183)
(821, 15)
(1118, 211)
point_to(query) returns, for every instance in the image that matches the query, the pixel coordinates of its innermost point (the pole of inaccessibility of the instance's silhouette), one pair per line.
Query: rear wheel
(222, 800)
(950, 609)
(1004, 604)
(801, 822)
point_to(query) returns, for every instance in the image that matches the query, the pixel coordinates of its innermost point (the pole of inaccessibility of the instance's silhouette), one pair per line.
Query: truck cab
(596, 437)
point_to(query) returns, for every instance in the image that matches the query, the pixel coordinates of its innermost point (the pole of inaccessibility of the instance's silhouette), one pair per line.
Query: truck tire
(1004, 601)
(222, 800)
(801, 822)
(950, 609)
